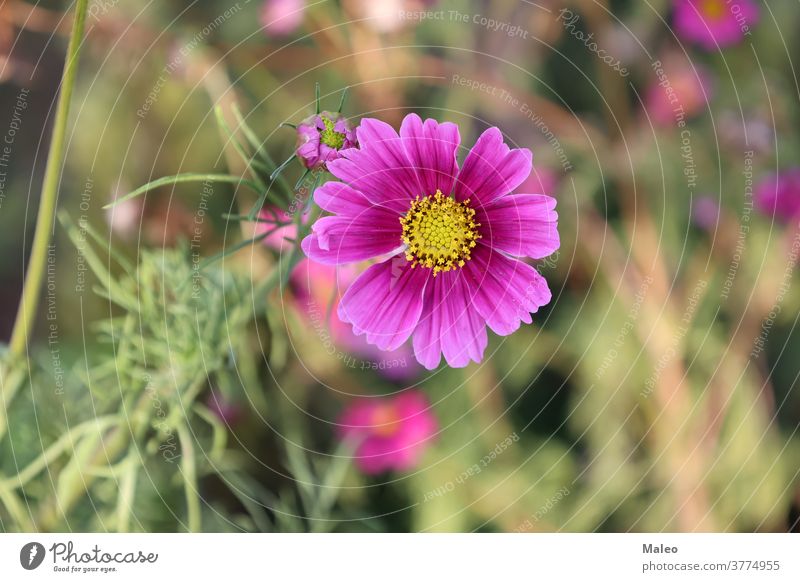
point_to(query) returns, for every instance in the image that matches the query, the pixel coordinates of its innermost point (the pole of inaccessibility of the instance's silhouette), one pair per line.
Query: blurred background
(181, 380)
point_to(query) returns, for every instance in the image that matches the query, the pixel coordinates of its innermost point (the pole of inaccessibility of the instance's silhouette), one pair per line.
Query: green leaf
(180, 178)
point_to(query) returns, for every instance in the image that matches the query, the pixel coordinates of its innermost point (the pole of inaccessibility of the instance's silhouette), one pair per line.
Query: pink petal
(341, 199)
(379, 168)
(375, 456)
(449, 324)
(347, 239)
(523, 225)
(492, 169)
(432, 148)
(385, 302)
(505, 291)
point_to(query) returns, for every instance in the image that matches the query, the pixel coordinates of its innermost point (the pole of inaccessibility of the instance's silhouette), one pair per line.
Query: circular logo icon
(31, 555)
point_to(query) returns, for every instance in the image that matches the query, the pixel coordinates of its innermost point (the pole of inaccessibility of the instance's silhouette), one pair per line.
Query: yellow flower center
(329, 136)
(439, 232)
(713, 9)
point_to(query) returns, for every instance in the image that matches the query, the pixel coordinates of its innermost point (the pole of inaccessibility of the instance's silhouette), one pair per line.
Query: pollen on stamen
(439, 232)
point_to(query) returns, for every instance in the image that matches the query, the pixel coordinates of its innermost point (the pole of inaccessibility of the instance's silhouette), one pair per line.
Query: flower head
(273, 220)
(125, 218)
(714, 23)
(322, 137)
(392, 433)
(687, 93)
(779, 195)
(451, 236)
(282, 17)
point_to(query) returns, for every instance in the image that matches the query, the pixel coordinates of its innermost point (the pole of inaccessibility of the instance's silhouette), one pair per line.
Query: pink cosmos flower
(392, 433)
(452, 236)
(321, 138)
(282, 17)
(688, 92)
(714, 23)
(779, 195)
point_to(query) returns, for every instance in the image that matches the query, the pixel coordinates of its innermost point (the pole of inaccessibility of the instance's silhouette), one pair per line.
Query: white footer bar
(401, 557)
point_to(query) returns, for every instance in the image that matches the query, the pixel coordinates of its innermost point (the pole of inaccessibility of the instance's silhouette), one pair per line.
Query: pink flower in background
(689, 91)
(318, 287)
(125, 218)
(541, 181)
(714, 23)
(387, 16)
(392, 433)
(705, 212)
(228, 412)
(321, 139)
(282, 17)
(452, 233)
(779, 195)
(280, 237)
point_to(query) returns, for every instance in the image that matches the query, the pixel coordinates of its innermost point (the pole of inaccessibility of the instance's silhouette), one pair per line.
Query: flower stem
(26, 316)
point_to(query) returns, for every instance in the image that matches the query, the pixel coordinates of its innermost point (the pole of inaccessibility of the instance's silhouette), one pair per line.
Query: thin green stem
(189, 470)
(26, 315)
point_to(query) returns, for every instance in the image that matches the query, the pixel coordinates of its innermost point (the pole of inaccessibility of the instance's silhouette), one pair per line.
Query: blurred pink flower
(125, 218)
(714, 23)
(387, 16)
(282, 17)
(541, 181)
(457, 238)
(321, 137)
(689, 90)
(383, 15)
(282, 236)
(392, 433)
(315, 285)
(778, 195)
(228, 412)
(705, 212)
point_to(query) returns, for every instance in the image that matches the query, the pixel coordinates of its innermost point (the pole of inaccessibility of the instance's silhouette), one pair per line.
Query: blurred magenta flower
(281, 236)
(453, 235)
(228, 412)
(778, 195)
(322, 137)
(705, 212)
(392, 433)
(318, 287)
(714, 23)
(282, 17)
(687, 93)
